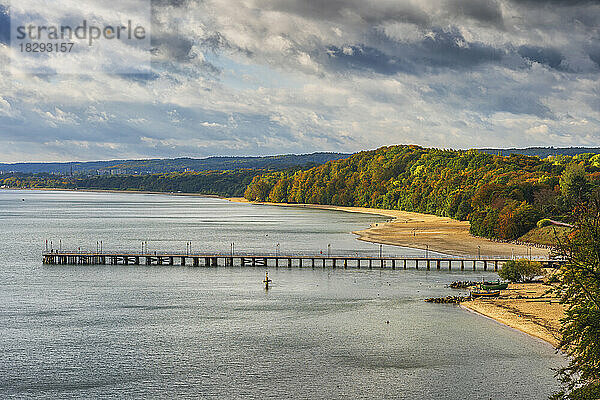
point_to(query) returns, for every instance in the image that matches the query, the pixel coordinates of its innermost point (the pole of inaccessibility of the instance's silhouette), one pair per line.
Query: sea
(170, 332)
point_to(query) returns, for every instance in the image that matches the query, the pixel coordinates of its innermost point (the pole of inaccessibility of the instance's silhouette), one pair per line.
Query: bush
(544, 222)
(520, 270)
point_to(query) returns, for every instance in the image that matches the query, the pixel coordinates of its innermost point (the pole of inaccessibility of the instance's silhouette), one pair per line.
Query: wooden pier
(289, 261)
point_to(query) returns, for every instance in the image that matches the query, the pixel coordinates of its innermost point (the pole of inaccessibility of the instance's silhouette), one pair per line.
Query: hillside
(502, 197)
(544, 152)
(154, 166)
(222, 183)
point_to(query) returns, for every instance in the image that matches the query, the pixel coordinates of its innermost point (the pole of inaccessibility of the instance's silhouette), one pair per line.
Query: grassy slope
(546, 235)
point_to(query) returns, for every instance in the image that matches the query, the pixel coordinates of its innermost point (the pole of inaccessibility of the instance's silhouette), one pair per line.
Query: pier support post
(345, 263)
(370, 263)
(334, 263)
(462, 265)
(393, 264)
(313, 262)
(183, 261)
(449, 265)
(428, 265)
(496, 265)
(289, 262)
(438, 264)
(485, 265)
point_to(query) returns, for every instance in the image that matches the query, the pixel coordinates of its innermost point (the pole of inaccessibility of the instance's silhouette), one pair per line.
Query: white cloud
(538, 130)
(59, 117)
(255, 77)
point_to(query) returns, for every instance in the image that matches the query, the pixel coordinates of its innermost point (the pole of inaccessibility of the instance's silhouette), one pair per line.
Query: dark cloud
(594, 54)
(486, 11)
(4, 25)
(345, 10)
(367, 59)
(564, 3)
(443, 49)
(171, 3)
(377, 12)
(448, 48)
(547, 56)
(172, 46)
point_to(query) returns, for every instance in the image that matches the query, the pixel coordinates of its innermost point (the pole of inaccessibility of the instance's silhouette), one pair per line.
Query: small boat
(494, 285)
(485, 293)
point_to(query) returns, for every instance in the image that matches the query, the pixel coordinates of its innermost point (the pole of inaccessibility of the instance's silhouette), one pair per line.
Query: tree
(574, 183)
(579, 288)
(520, 270)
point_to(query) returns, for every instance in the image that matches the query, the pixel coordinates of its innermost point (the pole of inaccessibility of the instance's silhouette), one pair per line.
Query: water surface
(183, 332)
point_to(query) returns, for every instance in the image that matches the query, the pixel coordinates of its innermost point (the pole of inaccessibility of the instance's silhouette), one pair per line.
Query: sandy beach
(422, 231)
(525, 307)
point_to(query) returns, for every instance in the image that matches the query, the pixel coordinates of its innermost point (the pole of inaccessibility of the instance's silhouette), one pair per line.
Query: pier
(289, 261)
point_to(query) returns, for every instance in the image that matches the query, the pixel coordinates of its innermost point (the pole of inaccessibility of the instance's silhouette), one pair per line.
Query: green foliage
(579, 289)
(169, 165)
(543, 223)
(550, 235)
(515, 219)
(226, 183)
(502, 197)
(574, 183)
(520, 270)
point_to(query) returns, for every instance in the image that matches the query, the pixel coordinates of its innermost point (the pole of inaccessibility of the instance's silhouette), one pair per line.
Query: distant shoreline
(119, 191)
(423, 231)
(405, 229)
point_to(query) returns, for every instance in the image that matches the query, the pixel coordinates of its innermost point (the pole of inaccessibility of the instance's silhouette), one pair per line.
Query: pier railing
(278, 260)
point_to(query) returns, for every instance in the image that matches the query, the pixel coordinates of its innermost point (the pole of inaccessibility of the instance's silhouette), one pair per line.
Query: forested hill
(222, 183)
(544, 152)
(154, 166)
(501, 196)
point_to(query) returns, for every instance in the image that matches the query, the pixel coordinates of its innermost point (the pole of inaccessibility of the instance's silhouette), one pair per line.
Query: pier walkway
(260, 260)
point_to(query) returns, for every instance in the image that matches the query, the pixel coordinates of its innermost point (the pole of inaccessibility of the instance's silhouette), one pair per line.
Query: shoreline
(525, 307)
(423, 231)
(212, 196)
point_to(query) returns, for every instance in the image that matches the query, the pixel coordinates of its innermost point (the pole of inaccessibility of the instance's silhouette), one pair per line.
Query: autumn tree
(579, 289)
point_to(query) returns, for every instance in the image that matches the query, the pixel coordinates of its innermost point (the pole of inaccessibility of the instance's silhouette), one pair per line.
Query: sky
(259, 77)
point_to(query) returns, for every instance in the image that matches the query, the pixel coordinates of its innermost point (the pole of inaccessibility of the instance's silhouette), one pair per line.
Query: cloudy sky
(255, 77)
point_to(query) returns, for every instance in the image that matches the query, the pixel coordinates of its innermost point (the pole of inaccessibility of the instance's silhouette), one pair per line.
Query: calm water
(177, 332)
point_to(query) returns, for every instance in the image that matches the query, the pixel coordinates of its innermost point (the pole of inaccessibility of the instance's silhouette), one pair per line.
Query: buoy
(267, 281)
